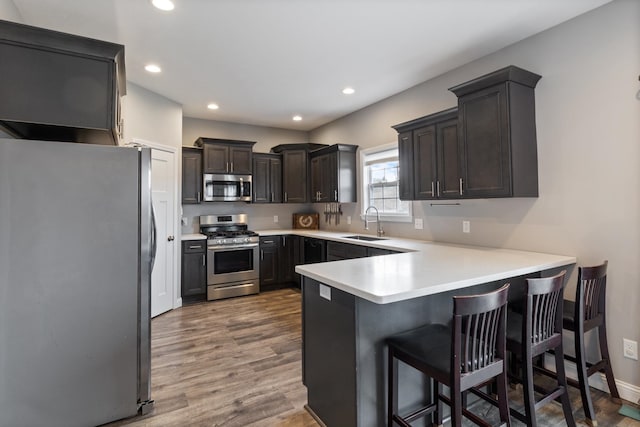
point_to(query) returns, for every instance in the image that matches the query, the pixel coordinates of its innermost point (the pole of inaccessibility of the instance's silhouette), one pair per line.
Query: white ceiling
(264, 61)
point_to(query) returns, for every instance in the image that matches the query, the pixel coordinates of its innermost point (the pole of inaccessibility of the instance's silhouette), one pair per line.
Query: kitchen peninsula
(351, 306)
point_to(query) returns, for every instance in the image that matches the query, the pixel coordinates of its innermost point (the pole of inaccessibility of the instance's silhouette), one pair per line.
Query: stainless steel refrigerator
(76, 253)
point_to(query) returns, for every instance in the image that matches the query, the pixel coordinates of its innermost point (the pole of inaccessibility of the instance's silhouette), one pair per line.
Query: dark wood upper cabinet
(226, 156)
(296, 170)
(497, 134)
(60, 87)
(428, 157)
(294, 176)
(333, 174)
(267, 178)
(405, 160)
(191, 175)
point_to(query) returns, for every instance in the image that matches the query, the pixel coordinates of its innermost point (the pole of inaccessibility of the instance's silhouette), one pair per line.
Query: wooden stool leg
(437, 415)
(503, 400)
(583, 379)
(456, 406)
(392, 385)
(604, 351)
(562, 382)
(527, 388)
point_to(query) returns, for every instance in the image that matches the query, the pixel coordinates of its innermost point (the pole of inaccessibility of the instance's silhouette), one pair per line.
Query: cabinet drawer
(191, 246)
(269, 241)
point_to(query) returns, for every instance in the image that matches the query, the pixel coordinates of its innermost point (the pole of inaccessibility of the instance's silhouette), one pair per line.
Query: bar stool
(530, 334)
(466, 354)
(581, 316)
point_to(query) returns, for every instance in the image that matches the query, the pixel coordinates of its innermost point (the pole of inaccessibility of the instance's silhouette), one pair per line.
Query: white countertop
(426, 268)
(195, 236)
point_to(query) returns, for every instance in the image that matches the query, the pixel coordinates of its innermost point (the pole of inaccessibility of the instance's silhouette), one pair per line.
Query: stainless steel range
(232, 256)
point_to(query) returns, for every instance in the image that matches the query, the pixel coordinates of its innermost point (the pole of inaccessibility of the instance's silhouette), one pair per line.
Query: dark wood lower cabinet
(194, 270)
(278, 258)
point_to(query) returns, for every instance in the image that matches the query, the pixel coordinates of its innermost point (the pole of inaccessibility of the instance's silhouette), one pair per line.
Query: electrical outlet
(418, 224)
(630, 349)
(349, 219)
(275, 218)
(183, 220)
(466, 226)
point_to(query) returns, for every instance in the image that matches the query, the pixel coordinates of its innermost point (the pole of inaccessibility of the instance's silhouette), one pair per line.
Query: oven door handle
(233, 247)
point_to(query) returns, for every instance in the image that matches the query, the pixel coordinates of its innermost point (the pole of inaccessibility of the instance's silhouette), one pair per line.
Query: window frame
(364, 185)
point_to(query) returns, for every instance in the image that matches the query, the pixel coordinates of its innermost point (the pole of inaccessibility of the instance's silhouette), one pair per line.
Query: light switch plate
(466, 226)
(418, 224)
(325, 292)
(275, 218)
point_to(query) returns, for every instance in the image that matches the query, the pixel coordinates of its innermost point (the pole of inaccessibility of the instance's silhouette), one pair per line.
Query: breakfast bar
(349, 307)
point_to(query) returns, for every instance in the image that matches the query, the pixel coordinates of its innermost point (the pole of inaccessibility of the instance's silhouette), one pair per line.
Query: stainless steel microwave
(227, 188)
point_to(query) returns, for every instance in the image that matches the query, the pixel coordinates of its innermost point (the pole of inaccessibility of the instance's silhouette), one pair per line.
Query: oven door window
(233, 261)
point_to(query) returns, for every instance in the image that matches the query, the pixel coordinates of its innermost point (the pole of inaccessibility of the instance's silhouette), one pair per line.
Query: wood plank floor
(237, 362)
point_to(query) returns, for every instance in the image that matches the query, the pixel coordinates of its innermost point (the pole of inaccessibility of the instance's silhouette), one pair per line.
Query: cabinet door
(269, 268)
(275, 179)
(405, 159)
(425, 163)
(261, 179)
(315, 178)
(323, 178)
(240, 160)
(449, 173)
(191, 176)
(194, 276)
(294, 179)
(485, 143)
(216, 158)
(287, 255)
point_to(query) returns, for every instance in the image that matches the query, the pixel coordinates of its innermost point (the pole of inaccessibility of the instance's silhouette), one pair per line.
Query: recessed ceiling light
(297, 118)
(348, 90)
(213, 106)
(163, 4)
(152, 68)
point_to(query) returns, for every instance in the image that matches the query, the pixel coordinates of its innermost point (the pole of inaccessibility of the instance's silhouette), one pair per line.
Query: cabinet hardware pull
(335, 193)
(261, 254)
(203, 261)
(286, 199)
(198, 197)
(231, 167)
(227, 168)
(272, 197)
(267, 241)
(433, 190)
(461, 186)
(438, 187)
(284, 241)
(195, 247)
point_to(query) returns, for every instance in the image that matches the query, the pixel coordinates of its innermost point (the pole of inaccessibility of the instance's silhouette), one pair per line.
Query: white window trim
(364, 182)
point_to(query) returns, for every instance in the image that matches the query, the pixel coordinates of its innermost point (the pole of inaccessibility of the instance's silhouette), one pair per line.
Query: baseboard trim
(628, 392)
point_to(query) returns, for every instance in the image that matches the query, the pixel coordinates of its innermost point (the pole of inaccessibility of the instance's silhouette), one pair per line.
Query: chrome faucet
(380, 231)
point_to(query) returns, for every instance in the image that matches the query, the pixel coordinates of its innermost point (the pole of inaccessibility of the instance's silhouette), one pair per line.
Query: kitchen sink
(366, 238)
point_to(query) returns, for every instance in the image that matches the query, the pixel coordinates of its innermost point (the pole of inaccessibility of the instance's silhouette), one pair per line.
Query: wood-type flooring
(237, 362)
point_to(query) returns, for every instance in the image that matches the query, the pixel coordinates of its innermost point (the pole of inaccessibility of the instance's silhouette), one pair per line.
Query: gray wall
(588, 125)
(266, 137)
(151, 117)
(9, 12)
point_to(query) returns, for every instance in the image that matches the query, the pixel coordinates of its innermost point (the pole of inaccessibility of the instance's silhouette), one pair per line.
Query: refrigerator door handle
(154, 232)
